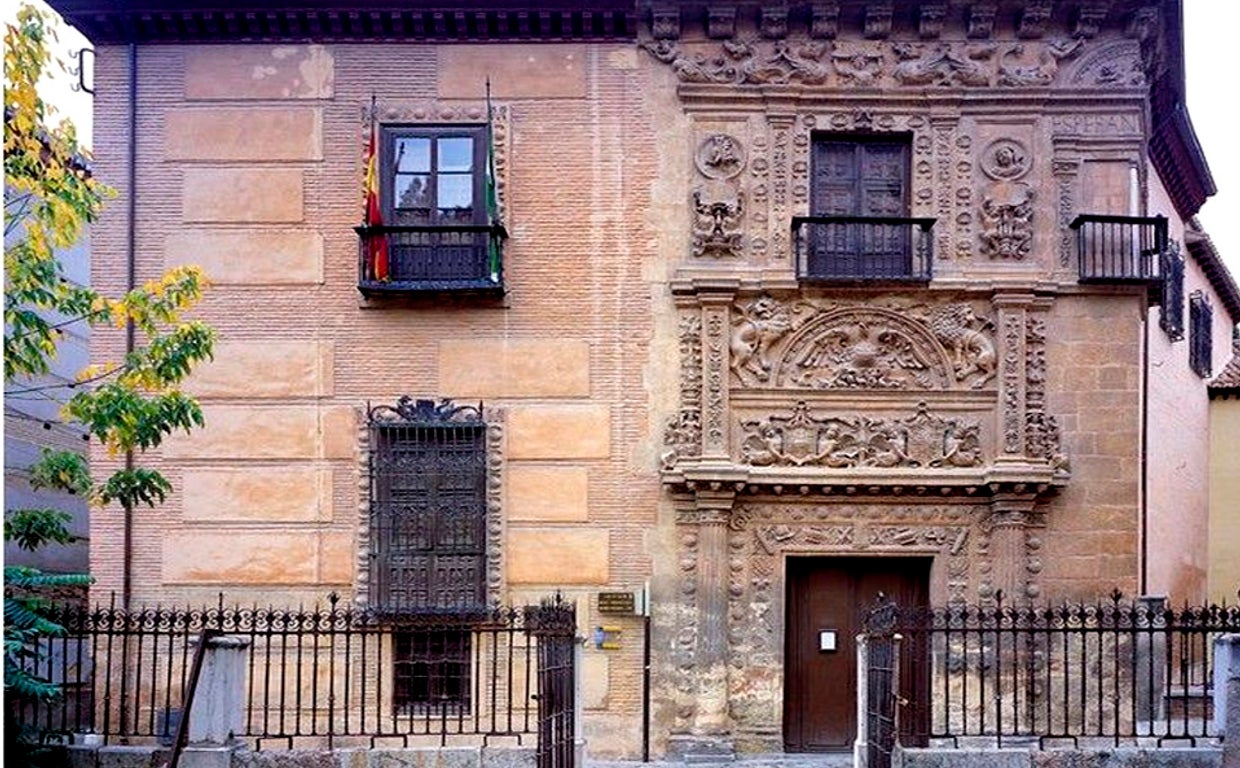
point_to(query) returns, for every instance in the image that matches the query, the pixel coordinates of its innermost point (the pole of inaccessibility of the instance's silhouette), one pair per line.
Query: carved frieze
(714, 389)
(805, 346)
(1065, 171)
(1112, 65)
(717, 223)
(777, 59)
(1007, 221)
(1014, 69)
(801, 439)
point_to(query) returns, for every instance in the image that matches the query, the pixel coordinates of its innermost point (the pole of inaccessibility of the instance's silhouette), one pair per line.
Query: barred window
(431, 670)
(1201, 320)
(427, 508)
(1171, 309)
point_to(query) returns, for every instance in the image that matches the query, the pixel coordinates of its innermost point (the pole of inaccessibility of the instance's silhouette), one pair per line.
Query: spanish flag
(376, 242)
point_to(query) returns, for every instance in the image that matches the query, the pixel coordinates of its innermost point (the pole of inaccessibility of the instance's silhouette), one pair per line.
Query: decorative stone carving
(719, 156)
(720, 21)
(824, 20)
(683, 434)
(714, 390)
(877, 19)
(1013, 72)
(1089, 17)
(1005, 160)
(1012, 323)
(759, 324)
(1113, 65)
(1065, 171)
(981, 23)
(802, 439)
(741, 62)
(930, 20)
(1042, 439)
(665, 22)
(1007, 221)
(858, 64)
(961, 332)
(1033, 18)
(863, 355)
(716, 226)
(773, 23)
(941, 65)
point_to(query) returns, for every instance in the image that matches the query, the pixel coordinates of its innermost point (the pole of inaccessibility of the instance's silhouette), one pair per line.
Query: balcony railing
(1119, 249)
(862, 249)
(431, 259)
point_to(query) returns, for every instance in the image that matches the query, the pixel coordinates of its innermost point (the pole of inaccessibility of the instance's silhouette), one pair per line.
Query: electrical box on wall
(607, 638)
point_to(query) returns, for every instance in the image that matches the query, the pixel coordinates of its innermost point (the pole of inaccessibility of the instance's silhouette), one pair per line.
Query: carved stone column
(715, 332)
(709, 733)
(1065, 170)
(1011, 516)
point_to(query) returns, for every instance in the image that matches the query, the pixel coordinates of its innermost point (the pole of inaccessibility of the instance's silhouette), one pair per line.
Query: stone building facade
(797, 305)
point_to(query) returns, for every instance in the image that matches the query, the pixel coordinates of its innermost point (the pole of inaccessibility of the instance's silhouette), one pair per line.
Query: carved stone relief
(807, 346)
(920, 440)
(682, 437)
(1042, 438)
(1005, 160)
(714, 406)
(882, 63)
(1065, 172)
(717, 223)
(720, 156)
(1013, 71)
(1112, 65)
(1012, 380)
(1007, 221)
(964, 198)
(759, 194)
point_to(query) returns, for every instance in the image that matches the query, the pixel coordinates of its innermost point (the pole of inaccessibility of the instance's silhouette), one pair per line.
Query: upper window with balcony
(438, 229)
(859, 227)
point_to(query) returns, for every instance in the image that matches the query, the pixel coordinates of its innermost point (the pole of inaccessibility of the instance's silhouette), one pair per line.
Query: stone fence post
(1227, 697)
(218, 711)
(1150, 670)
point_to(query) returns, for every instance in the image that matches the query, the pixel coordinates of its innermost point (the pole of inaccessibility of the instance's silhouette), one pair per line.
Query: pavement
(824, 760)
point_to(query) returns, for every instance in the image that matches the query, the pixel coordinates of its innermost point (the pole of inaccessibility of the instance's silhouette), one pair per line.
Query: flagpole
(492, 195)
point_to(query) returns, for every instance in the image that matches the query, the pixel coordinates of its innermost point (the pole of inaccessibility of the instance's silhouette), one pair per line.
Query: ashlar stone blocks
(558, 556)
(236, 72)
(267, 368)
(510, 368)
(244, 133)
(547, 494)
(249, 257)
(559, 432)
(243, 195)
(259, 494)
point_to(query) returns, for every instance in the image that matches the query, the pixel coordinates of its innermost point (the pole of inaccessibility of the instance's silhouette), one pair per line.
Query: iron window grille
(427, 509)
(431, 671)
(1201, 334)
(440, 230)
(1171, 305)
(1119, 249)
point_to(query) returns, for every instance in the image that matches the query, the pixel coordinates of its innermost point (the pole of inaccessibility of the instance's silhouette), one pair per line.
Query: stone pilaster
(1012, 311)
(715, 332)
(1011, 516)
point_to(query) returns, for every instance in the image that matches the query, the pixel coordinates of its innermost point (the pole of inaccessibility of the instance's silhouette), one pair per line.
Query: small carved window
(1171, 308)
(1201, 334)
(427, 509)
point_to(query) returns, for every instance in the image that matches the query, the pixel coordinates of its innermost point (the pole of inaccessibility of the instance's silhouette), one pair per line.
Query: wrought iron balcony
(862, 248)
(1120, 249)
(451, 259)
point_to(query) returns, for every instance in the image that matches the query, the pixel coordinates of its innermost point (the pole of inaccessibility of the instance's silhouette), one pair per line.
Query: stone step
(777, 760)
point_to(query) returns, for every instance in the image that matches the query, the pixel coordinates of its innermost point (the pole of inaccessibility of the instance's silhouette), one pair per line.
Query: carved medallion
(1005, 160)
(720, 156)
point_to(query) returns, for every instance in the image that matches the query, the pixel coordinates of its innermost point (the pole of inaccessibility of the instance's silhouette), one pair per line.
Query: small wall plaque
(615, 602)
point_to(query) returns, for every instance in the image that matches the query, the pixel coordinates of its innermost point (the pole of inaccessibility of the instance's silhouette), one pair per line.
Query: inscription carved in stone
(802, 439)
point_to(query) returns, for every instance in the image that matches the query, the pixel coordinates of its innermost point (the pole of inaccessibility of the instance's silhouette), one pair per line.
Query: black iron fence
(1117, 671)
(409, 259)
(321, 677)
(1119, 248)
(862, 249)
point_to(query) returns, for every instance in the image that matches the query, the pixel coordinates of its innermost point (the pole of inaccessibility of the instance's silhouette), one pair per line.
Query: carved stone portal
(921, 440)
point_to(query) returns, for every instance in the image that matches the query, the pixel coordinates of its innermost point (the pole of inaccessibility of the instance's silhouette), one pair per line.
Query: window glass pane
(456, 154)
(456, 190)
(412, 155)
(413, 191)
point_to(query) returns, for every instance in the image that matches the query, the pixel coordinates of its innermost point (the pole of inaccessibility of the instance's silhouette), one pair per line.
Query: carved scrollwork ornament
(717, 224)
(1007, 221)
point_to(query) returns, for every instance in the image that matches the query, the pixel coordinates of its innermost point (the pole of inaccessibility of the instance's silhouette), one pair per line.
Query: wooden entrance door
(828, 595)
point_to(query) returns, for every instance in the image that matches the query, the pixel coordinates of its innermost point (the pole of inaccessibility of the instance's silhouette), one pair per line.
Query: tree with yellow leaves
(129, 405)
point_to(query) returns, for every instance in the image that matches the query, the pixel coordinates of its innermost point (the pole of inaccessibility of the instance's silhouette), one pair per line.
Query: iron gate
(553, 624)
(882, 682)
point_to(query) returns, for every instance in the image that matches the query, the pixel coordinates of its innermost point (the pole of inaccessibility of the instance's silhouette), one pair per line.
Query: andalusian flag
(376, 243)
(493, 253)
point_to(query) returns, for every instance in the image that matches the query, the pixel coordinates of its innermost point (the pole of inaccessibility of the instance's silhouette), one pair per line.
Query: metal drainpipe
(1145, 451)
(131, 281)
